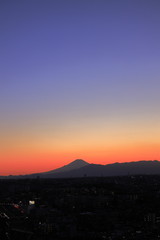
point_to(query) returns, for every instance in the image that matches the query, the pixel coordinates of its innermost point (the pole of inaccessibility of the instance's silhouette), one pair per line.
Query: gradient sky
(78, 79)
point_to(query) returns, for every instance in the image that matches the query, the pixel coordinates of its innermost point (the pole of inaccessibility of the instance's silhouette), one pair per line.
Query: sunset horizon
(71, 161)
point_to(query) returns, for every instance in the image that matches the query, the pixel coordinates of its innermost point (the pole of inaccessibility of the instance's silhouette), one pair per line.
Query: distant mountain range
(80, 168)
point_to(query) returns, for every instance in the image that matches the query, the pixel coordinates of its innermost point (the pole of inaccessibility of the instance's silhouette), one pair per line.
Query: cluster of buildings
(111, 208)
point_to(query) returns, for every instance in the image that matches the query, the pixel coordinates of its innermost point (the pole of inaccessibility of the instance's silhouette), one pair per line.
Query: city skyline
(79, 79)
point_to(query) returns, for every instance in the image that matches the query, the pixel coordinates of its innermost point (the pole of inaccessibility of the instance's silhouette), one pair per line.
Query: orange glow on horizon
(15, 163)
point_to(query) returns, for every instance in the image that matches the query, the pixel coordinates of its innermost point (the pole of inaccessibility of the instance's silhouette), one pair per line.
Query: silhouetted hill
(80, 168)
(76, 164)
(116, 169)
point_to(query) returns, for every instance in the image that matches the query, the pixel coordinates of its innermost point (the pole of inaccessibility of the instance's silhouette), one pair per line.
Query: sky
(78, 79)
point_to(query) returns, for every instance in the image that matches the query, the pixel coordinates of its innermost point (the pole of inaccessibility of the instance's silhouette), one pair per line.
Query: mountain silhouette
(76, 164)
(115, 169)
(80, 168)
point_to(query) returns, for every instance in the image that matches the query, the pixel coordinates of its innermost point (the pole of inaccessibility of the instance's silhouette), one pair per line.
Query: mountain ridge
(78, 163)
(81, 168)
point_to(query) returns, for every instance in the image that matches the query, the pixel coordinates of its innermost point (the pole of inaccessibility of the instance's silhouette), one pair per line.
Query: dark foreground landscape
(81, 208)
